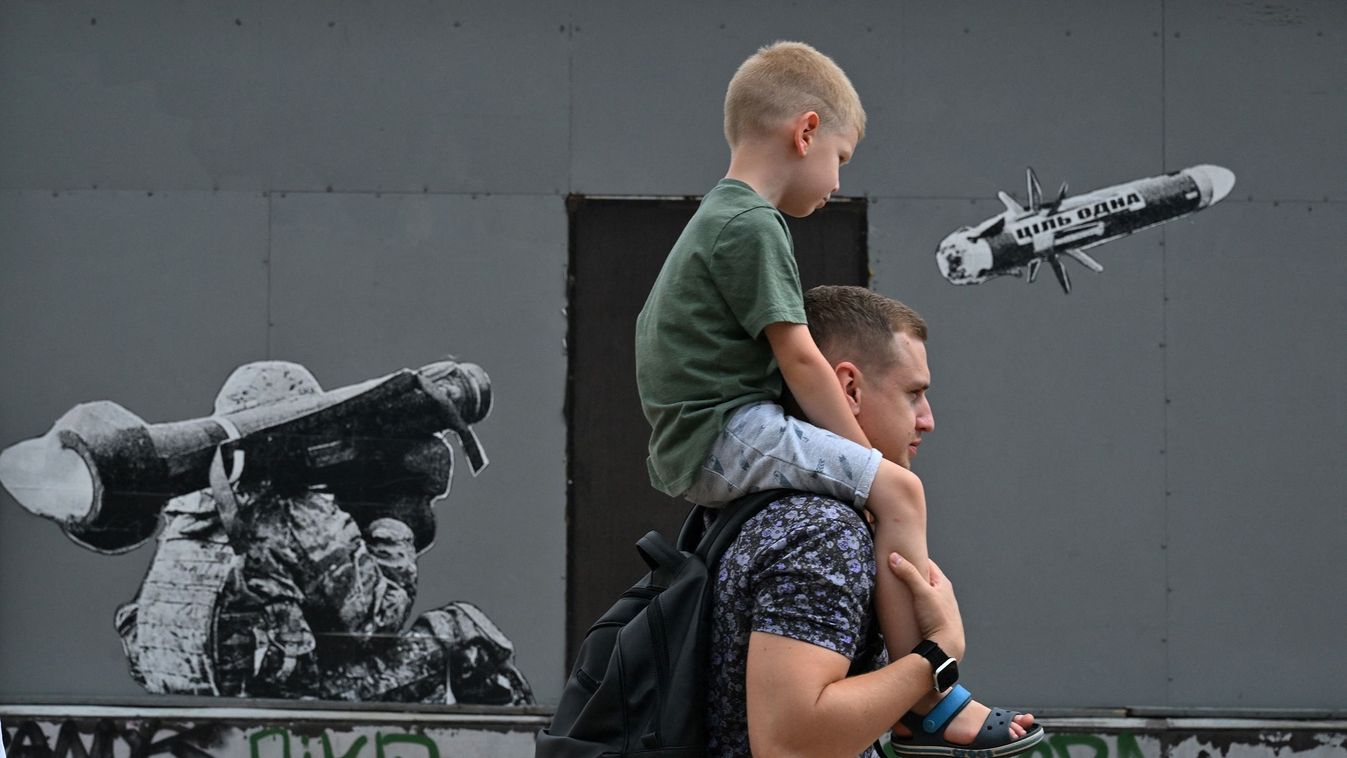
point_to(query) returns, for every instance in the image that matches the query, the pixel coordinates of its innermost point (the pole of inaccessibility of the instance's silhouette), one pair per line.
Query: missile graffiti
(1017, 241)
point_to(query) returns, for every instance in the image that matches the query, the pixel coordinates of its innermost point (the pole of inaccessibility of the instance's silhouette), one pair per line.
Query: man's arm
(801, 701)
(811, 380)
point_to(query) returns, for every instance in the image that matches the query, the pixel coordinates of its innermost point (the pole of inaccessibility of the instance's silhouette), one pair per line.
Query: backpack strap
(728, 520)
(659, 555)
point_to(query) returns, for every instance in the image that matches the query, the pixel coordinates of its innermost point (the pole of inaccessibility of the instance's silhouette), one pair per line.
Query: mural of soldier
(292, 520)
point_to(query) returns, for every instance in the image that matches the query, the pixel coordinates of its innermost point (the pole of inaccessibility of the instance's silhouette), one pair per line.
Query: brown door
(617, 248)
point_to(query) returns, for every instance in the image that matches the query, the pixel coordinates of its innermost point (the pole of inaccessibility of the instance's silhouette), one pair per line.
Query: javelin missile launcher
(105, 474)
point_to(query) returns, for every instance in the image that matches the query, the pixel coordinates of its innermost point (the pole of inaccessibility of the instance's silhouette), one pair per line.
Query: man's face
(893, 409)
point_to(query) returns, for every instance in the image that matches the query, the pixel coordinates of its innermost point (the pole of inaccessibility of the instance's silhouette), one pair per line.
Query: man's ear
(804, 129)
(849, 378)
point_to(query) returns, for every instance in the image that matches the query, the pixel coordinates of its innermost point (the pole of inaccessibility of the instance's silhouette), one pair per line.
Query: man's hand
(936, 608)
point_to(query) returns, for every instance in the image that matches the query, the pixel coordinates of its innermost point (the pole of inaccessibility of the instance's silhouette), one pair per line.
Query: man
(798, 666)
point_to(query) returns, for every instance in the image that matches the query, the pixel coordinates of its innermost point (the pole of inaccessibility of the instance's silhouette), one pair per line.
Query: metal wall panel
(454, 97)
(960, 96)
(974, 91)
(1258, 87)
(365, 285)
(146, 300)
(653, 124)
(1044, 474)
(1257, 432)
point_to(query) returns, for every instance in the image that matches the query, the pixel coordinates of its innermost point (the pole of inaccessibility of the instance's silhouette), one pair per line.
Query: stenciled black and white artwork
(289, 523)
(1018, 240)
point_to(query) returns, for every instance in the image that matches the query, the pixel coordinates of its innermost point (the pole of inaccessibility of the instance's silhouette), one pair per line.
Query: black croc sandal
(928, 733)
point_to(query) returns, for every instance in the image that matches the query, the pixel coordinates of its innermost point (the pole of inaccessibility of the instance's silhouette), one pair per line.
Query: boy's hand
(936, 608)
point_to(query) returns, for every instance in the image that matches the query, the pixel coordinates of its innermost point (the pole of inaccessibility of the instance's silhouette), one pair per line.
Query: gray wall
(1137, 488)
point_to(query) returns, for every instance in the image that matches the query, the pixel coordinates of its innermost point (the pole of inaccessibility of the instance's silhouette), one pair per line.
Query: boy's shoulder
(734, 204)
(731, 197)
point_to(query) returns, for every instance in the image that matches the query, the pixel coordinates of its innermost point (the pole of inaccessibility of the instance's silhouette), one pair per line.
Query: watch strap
(926, 647)
(944, 668)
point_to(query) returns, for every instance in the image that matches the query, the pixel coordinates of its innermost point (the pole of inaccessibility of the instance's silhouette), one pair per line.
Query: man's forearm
(790, 713)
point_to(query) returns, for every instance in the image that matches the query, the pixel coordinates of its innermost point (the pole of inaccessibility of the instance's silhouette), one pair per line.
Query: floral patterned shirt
(803, 568)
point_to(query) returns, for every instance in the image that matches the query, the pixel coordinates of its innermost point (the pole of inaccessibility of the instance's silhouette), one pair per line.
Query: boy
(724, 325)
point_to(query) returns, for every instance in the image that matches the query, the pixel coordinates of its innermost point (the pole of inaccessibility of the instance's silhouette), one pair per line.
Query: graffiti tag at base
(109, 739)
(143, 738)
(131, 738)
(278, 743)
(1123, 745)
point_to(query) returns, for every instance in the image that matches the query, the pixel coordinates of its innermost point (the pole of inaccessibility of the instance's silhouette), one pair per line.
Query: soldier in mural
(292, 519)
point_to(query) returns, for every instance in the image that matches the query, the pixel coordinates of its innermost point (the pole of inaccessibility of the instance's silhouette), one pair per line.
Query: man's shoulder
(811, 508)
(804, 569)
(797, 516)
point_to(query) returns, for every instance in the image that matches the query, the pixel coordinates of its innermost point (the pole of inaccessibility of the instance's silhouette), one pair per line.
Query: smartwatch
(945, 670)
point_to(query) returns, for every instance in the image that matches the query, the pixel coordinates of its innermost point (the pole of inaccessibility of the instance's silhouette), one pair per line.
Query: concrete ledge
(1226, 737)
(1130, 724)
(140, 731)
(502, 719)
(283, 729)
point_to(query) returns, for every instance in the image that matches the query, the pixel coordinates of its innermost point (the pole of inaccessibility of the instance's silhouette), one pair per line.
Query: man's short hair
(856, 324)
(782, 81)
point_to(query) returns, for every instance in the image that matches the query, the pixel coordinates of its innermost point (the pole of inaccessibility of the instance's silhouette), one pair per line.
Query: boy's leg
(762, 448)
(897, 503)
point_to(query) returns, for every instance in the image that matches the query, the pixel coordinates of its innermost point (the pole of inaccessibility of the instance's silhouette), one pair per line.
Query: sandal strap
(997, 734)
(946, 709)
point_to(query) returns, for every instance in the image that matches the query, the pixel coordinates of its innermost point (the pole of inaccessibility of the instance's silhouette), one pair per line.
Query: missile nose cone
(942, 259)
(1215, 182)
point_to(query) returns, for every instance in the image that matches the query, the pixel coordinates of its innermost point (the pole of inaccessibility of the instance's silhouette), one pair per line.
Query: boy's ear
(803, 131)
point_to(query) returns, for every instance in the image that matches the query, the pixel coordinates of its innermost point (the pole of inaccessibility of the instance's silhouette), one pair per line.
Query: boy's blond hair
(783, 80)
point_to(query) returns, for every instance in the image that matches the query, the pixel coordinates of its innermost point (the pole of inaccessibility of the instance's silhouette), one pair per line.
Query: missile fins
(1035, 191)
(1010, 204)
(1060, 270)
(1086, 261)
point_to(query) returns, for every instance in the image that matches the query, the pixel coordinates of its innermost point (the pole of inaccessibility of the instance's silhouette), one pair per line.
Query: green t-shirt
(700, 347)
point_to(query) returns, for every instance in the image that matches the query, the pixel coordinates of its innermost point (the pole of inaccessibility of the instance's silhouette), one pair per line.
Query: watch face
(947, 675)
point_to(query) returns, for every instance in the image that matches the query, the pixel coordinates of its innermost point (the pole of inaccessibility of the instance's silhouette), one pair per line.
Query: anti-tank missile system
(104, 474)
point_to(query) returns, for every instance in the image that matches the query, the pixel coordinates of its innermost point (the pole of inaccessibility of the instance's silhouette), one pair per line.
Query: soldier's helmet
(264, 383)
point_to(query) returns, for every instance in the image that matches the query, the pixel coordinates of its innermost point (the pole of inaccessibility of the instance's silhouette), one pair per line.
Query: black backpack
(639, 682)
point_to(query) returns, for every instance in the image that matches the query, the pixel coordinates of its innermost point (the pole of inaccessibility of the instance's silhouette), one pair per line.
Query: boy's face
(815, 172)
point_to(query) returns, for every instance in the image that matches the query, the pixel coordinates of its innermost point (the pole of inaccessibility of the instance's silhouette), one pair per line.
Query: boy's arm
(812, 381)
